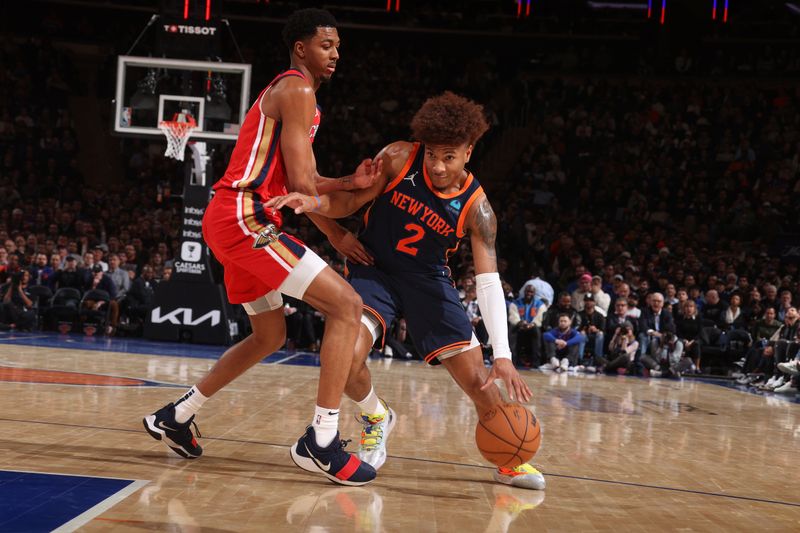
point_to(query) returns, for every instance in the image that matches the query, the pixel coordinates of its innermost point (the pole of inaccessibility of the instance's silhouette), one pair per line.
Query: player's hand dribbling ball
(508, 435)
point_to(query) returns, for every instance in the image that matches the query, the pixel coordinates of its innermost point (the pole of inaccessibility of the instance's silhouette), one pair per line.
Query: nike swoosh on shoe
(320, 464)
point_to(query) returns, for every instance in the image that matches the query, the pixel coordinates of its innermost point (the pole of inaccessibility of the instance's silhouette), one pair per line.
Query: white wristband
(493, 309)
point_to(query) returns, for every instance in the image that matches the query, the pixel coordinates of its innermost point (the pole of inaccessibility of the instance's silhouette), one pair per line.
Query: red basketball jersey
(256, 163)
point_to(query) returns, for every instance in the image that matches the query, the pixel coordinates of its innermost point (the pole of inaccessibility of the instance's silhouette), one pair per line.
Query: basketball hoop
(177, 131)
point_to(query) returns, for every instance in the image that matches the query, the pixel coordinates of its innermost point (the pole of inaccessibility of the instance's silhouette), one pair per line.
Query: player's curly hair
(449, 120)
(303, 24)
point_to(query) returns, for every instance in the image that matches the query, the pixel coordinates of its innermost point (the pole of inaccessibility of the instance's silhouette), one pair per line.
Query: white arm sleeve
(494, 312)
(513, 315)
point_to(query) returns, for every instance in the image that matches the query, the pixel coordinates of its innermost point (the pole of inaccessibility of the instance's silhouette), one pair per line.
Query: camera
(16, 278)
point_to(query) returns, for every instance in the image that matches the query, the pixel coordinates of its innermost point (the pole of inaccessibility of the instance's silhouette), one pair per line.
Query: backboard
(151, 89)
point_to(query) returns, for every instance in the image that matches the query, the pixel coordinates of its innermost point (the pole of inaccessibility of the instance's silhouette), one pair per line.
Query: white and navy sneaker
(372, 448)
(179, 438)
(332, 461)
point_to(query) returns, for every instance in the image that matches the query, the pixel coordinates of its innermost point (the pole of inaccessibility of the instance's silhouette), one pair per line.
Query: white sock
(326, 425)
(371, 405)
(189, 404)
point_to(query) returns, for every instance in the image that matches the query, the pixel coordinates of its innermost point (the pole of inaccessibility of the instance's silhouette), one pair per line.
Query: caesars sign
(191, 256)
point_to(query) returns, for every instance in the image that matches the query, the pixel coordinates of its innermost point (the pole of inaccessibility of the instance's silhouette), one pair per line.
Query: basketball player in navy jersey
(424, 202)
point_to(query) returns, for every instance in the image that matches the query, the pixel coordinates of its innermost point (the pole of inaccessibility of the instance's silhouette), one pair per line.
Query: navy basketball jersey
(413, 228)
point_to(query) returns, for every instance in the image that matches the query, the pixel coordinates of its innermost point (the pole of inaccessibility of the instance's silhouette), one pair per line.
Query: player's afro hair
(449, 120)
(303, 24)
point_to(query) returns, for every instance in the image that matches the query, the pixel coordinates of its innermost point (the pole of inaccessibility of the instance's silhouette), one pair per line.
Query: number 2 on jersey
(403, 244)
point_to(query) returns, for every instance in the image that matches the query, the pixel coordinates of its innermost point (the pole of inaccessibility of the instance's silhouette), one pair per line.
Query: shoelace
(187, 429)
(516, 471)
(371, 431)
(341, 444)
(196, 429)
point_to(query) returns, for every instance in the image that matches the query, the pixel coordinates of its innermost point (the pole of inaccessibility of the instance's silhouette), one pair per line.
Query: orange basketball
(508, 435)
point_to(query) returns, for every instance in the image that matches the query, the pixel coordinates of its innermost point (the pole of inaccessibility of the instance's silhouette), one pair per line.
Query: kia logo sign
(184, 316)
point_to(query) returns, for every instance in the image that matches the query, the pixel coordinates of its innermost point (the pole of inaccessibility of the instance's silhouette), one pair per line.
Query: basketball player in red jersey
(423, 204)
(273, 154)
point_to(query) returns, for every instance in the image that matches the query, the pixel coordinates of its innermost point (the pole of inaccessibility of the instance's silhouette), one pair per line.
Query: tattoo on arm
(485, 224)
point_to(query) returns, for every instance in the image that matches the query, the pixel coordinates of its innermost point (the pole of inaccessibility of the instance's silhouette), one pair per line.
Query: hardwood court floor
(619, 454)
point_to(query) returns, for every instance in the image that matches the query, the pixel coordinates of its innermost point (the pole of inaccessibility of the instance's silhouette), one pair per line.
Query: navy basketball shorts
(435, 318)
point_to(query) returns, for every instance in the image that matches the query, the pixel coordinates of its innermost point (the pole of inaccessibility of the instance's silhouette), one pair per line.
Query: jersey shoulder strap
(285, 74)
(474, 192)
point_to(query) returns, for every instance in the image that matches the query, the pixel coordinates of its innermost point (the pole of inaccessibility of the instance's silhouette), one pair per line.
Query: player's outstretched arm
(360, 179)
(365, 176)
(371, 178)
(483, 232)
(378, 171)
(334, 204)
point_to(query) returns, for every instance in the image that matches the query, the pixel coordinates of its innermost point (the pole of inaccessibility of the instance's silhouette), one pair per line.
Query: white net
(177, 133)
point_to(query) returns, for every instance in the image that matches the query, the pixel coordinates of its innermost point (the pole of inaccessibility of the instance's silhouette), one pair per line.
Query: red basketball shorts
(231, 224)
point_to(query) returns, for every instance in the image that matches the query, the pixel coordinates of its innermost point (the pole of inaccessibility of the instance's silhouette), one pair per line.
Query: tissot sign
(189, 30)
(179, 38)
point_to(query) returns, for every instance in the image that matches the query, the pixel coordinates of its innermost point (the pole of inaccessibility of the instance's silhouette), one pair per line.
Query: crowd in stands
(640, 231)
(638, 200)
(73, 256)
